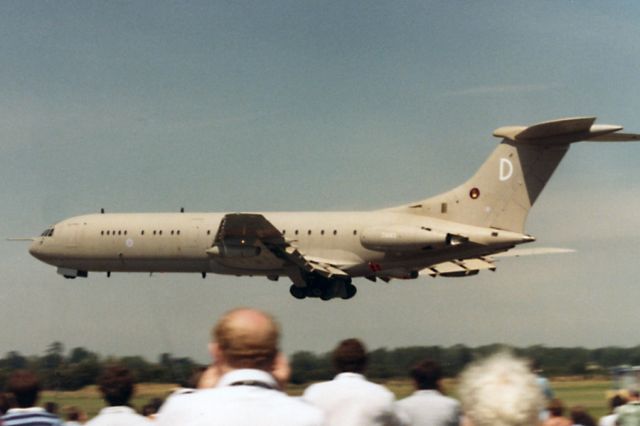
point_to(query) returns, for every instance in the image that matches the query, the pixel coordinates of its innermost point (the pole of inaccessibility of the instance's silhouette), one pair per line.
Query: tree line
(70, 370)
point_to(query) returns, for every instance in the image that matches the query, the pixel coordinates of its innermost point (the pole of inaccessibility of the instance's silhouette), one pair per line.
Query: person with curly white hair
(500, 390)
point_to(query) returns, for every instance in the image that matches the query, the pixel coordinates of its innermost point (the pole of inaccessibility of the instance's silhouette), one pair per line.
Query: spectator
(75, 416)
(500, 391)
(5, 404)
(51, 407)
(610, 419)
(556, 414)
(543, 382)
(580, 417)
(350, 399)
(117, 386)
(151, 408)
(251, 372)
(25, 388)
(629, 413)
(428, 405)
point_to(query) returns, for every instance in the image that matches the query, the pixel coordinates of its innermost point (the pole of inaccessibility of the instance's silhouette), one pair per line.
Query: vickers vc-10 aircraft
(450, 235)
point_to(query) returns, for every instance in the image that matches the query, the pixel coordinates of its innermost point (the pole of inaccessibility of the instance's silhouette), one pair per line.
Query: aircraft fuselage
(178, 242)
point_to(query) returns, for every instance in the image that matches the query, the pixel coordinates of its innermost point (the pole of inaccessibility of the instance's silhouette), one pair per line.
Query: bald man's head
(247, 338)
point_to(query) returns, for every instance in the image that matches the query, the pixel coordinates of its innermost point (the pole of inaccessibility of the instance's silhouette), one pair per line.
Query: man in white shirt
(427, 406)
(117, 387)
(350, 399)
(249, 375)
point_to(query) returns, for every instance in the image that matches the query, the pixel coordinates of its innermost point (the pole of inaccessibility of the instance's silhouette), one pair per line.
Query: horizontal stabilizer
(564, 131)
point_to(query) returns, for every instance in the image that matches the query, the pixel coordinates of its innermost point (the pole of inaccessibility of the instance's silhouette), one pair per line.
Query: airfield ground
(587, 393)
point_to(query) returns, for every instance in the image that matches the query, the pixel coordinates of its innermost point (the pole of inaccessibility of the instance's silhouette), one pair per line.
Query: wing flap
(459, 268)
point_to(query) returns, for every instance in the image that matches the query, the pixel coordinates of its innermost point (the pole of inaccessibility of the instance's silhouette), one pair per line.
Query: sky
(145, 106)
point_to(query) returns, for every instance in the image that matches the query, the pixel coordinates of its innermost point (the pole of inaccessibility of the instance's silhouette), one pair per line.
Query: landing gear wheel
(327, 294)
(298, 292)
(349, 291)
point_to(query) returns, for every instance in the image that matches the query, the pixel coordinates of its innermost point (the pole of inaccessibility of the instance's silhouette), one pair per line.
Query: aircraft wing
(248, 228)
(254, 230)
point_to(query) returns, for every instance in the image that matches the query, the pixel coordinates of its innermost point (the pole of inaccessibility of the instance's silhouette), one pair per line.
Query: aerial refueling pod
(402, 238)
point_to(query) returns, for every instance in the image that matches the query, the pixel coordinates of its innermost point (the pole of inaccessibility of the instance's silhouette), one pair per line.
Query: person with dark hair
(51, 407)
(151, 408)
(247, 378)
(629, 413)
(350, 399)
(117, 386)
(25, 388)
(610, 419)
(75, 416)
(580, 417)
(5, 404)
(428, 405)
(556, 414)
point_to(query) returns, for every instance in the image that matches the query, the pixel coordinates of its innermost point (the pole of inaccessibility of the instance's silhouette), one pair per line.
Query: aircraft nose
(35, 249)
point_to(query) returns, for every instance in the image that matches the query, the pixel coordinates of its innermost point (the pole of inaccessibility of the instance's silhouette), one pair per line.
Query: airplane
(454, 234)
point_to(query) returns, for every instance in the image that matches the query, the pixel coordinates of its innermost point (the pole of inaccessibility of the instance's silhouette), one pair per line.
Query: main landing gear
(325, 289)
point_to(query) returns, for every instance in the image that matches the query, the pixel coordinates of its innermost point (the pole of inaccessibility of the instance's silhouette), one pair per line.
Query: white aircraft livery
(453, 234)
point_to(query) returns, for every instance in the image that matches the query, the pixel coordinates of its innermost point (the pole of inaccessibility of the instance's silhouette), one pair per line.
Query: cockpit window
(47, 233)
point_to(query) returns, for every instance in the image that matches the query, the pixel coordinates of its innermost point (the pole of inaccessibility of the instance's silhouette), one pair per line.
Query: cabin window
(335, 232)
(296, 232)
(284, 231)
(322, 232)
(172, 232)
(142, 232)
(119, 232)
(178, 232)
(101, 232)
(155, 232)
(160, 232)
(125, 232)
(355, 232)
(309, 232)
(209, 232)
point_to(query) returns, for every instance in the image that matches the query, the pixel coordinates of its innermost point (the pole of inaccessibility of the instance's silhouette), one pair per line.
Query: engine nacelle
(401, 238)
(234, 251)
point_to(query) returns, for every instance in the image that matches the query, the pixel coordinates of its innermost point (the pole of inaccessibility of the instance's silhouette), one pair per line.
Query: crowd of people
(246, 381)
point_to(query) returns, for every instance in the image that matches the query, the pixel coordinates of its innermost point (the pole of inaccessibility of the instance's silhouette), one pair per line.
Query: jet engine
(402, 238)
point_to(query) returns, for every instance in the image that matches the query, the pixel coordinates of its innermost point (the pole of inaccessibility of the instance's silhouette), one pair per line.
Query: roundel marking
(474, 193)
(506, 169)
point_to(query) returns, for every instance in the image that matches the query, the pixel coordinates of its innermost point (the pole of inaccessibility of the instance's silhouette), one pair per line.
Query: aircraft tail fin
(506, 186)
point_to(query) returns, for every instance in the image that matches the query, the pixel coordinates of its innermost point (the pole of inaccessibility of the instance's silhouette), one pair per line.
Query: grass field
(587, 393)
